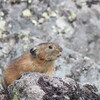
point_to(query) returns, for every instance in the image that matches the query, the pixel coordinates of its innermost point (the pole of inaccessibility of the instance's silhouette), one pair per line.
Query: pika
(41, 59)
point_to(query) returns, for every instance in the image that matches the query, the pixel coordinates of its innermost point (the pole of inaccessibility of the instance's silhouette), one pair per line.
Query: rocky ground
(35, 86)
(73, 24)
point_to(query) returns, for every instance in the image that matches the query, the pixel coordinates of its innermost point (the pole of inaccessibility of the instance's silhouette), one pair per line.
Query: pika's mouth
(59, 54)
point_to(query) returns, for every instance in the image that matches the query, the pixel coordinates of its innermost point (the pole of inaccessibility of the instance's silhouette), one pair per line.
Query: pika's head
(46, 51)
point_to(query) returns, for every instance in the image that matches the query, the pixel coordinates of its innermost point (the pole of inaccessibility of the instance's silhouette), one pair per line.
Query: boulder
(36, 86)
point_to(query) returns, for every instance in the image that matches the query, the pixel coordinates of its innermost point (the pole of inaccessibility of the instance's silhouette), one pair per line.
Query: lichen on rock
(42, 87)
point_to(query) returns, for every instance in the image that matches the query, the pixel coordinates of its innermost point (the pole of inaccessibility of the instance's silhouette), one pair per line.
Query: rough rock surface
(74, 24)
(35, 86)
(78, 67)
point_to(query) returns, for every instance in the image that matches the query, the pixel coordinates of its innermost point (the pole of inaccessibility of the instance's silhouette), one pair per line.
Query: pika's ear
(33, 51)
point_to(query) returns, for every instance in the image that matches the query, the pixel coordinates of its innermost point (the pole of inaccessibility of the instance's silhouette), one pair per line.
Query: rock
(0, 72)
(2, 14)
(61, 23)
(26, 13)
(77, 32)
(52, 14)
(30, 1)
(15, 1)
(91, 2)
(41, 20)
(45, 15)
(3, 97)
(34, 22)
(71, 16)
(73, 24)
(2, 24)
(36, 86)
(81, 68)
(39, 7)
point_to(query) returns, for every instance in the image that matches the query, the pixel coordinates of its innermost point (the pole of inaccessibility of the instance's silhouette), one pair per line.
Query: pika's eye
(50, 47)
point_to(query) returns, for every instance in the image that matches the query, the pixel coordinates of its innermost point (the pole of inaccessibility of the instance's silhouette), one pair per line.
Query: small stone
(61, 23)
(25, 38)
(45, 15)
(49, 9)
(54, 29)
(15, 1)
(5, 32)
(1, 35)
(41, 20)
(25, 47)
(34, 22)
(72, 17)
(2, 14)
(30, 1)
(79, 5)
(53, 14)
(26, 13)
(2, 24)
(10, 25)
(1, 54)
(4, 35)
(5, 50)
(0, 71)
(23, 0)
(65, 30)
(83, 3)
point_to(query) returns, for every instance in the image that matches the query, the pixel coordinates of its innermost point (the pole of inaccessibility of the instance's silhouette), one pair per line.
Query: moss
(73, 15)
(15, 97)
(26, 13)
(15, 94)
(25, 47)
(25, 38)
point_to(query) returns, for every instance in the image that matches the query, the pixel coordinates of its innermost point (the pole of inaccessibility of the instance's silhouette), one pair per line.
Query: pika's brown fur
(40, 59)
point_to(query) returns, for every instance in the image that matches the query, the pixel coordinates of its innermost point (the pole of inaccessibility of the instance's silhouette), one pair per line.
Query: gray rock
(80, 33)
(2, 97)
(79, 67)
(83, 31)
(35, 86)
